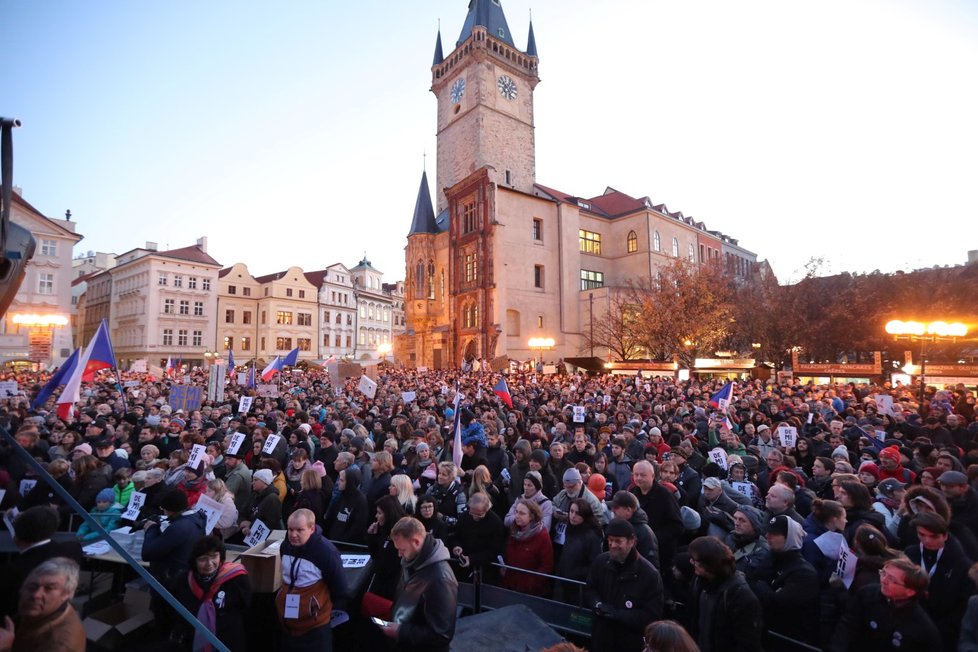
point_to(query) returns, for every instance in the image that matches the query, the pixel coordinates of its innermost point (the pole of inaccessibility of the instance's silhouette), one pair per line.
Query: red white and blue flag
(502, 391)
(721, 400)
(273, 368)
(102, 356)
(60, 376)
(97, 355)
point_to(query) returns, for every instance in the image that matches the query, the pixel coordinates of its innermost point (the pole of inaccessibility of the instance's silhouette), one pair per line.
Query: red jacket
(536, 554)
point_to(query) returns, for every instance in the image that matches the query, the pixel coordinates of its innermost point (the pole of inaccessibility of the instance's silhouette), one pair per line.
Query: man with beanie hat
(624, 590)
(890, 466)
(521, 453)
(238, 478)
(746, 540)
(169, 540)
(266, 506)
(790, 595)
(574, 488)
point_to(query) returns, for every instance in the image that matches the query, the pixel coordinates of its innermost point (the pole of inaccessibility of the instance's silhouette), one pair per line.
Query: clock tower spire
(485, 104)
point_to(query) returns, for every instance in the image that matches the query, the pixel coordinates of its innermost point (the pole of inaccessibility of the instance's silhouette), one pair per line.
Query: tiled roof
(268, 278)
(316, 278)
(614, 203)
(224, 272)
(488, 14)
(193, 254)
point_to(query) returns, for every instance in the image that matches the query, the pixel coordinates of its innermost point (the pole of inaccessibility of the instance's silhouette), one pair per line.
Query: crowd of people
(836, 516)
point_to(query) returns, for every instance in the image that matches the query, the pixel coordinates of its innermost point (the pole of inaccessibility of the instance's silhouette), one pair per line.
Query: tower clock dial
(507, 87)
(458, 90)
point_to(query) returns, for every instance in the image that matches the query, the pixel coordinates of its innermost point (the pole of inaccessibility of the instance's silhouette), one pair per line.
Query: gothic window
(468, 217)
(632, 242)
(419, 279)
(656, 242)
(675, 247)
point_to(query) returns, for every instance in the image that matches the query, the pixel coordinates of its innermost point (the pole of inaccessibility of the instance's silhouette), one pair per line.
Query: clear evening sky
(294, 132)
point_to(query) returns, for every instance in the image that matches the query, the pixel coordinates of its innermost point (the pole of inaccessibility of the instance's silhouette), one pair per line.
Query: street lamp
(383, 350)
(541, 344)
(934, 331)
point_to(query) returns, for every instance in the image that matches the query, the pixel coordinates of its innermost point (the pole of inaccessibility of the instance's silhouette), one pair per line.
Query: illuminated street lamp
(541, 344)
(915, 331)
(384, 350)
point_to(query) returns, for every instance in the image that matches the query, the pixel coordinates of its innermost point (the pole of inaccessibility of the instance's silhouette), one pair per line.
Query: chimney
(18, 191)
(202, 243)
(973, 256)
(151, 246)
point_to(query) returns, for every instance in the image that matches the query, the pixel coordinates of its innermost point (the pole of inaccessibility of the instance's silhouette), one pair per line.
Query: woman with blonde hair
(403, 489)
(482, 481)
(381, 465)
(217, 491)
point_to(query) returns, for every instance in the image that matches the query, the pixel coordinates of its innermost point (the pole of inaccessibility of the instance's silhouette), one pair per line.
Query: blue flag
(59, 378)
(291, 358)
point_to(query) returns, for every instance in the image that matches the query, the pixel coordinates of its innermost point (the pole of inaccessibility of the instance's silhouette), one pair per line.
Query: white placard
(212, 509)
(719, 456)
(26, 485)
(831, 544)
(244, 405)
(131, 383)
(242, 377)
(237, 439)
(338, 391)
(138, 366)
(9, 516)
(8, 388)
(267, 390)
(407, 397)
(723, 405)
(884, 404)
(136, 502)
(367, 386)
(354, 561)
(3, 494)
(744, 488)
(578, 414)
(259, 532)
(846, 568)
(607, 399)
(196, 456)
(270, 444)
(788, 436)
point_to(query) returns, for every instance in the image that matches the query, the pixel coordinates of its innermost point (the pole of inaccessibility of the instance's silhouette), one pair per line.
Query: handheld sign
(578, 414)
(884, 404)
(259, 532)
(338, 391)
(26, 485)
(846, 568)
(407, 397)
(212, 509)
(244, 405)
(270, 444)
(719, 456)
(367, 386)
(788, 435)
(136, 502)
(744, 488)
(607, 399)
(196, 456)
(237, 439)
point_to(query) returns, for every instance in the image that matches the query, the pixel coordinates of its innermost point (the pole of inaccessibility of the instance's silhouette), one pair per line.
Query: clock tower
(485, 103)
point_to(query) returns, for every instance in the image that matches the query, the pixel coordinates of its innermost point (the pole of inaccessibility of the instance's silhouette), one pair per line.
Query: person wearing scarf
(218, 592)
(528, 547)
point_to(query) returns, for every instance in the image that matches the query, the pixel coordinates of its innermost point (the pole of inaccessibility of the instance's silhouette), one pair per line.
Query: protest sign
(259, 532)
(719, 456)
(578, 414)
(136, 502)
(212, 509)
(237, 440)
(270, 444)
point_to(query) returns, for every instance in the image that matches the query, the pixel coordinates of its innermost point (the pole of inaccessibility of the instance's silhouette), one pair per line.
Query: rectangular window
(49, 247)
(198, 338)
(283, 343)
(302, 294)
(288, 292)
(539, 321)
(265, 292)
(537, 229)
(471, 268)
(283, 317)
(169, 306)
(326, 317)
(538, 276)
(702, 256)
(468, 217)
(246, 292)
(263, 343)
(206, 284)
(161, 280)
(192, 282)
(349, 320)
(264, 318)
(167, 337)
(590, 242)
(184, 307)
(181, 337)
(304, 318)
(336, 340)
(591, 280)
(198, 308)
(228, 316)
(245, 316)
(177, 281)
(245, 343)
(304, 343)
(349, 341)
(362, 338)
(228, 343)
(363, 311)
(232, 289)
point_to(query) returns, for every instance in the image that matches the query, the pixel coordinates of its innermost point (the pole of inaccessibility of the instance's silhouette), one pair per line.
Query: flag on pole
(171, 369)
(502, 391)
(721, 400)
(457, 442)
(72, 390)
(291, 358)
(63, 373)
(251, 384)
(101, 356)
(331, 359)
(230, 361)
(273, 368)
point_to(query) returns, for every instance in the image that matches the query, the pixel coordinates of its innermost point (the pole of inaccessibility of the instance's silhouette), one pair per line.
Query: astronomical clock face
(458, 90)
(507, 87)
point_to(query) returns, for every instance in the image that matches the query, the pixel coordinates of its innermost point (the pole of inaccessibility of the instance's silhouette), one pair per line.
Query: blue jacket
(317, 560)
(168, 552)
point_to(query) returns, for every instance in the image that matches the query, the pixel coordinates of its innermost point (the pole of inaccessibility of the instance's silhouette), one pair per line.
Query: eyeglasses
(889, 579)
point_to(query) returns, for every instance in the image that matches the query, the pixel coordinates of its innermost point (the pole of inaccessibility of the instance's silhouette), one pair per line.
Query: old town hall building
(497, 258)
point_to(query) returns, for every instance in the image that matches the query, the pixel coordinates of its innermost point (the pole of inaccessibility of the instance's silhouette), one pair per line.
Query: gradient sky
(294, 132)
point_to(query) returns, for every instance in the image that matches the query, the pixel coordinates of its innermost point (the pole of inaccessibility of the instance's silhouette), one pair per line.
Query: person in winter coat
(386, 563)
(574, 488)
(625, 506)
(265, 504)
(310, 494)
(888, 615)
(716, 508)
(625, 592)
(528, 547)
(215, 590)
(479, 538)
(943, 559)
(238, 480)
(107, 513)
(91, 477)
(347, 517)
(752, 555)
(724, 615)
(123, 486)
(790, 596)
(168, 549)
(533, 490)
(581, 546)
(227, 524)
(857, 500)
(620, 464)
(540, 463)
(424, 610)
(824, 535)
(449, 494)
(968, 640)
(518, 469)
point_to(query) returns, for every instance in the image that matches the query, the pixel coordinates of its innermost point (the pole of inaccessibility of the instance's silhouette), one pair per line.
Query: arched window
(692, 254)
(419, 279)
(475, 315)
(656, 242)
(431, 279)
(632, 242)
(675, 247)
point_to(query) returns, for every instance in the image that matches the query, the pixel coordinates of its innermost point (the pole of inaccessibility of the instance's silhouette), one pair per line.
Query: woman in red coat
(529, 547)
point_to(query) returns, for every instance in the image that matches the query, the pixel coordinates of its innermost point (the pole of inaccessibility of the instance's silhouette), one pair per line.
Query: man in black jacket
(662, 510)
(624, 590)
(423, 613)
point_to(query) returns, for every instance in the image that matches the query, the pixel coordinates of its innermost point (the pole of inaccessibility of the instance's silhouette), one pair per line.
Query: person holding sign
(265, 503)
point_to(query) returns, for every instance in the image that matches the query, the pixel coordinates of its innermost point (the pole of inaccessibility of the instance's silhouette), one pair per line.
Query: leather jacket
(426, 600)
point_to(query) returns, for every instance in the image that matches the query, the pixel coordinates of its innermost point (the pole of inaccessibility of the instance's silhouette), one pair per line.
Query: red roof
(269, 277)
(193, 254)
(614, 203)
(316, 278)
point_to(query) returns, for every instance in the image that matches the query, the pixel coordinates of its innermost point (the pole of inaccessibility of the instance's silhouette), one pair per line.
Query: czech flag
(721, 400)
(171, 367)
(102, 356)
(291, 358)
(273, 368)
(60, 376)
(502, 391)
(230, 361)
